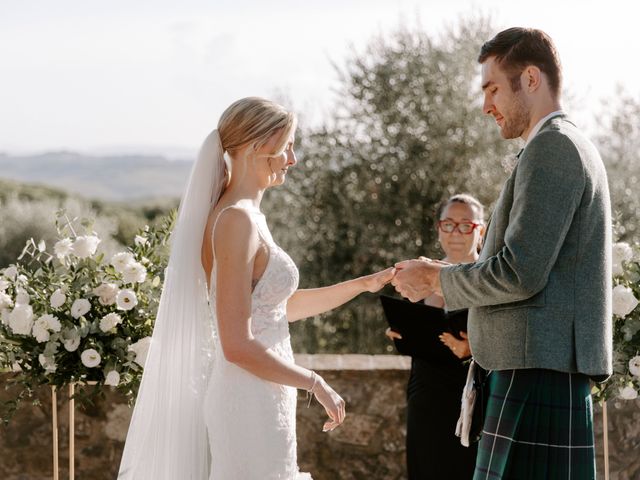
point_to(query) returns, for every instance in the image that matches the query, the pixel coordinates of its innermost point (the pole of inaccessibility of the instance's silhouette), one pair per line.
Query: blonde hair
(254, 120)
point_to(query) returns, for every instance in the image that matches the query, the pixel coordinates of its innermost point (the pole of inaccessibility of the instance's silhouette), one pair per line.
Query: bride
(218, 395)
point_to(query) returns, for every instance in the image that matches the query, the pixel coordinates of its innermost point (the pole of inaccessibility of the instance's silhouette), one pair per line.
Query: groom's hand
(417, 279)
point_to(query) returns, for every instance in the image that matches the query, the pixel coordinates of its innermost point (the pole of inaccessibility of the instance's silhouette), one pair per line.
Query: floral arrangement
(625, 382)
(71, 316)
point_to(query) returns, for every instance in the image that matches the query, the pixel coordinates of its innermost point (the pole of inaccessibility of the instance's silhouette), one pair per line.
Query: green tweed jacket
(540, 294)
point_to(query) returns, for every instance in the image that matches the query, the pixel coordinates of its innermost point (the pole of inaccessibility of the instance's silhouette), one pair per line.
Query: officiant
(435, 387)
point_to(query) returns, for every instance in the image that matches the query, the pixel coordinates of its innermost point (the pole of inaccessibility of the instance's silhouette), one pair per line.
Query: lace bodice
(278, 282)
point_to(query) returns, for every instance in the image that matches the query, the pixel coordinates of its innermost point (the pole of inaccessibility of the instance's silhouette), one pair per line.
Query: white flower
(107, 293)
(628, 393)
(624, 302)
(141, 349)
(621, 253)
(121, 260)
(41, 330)
(15, 367)
(140, 240)
(109, 321)
(634, 366)
(57, 298)
(22, 298)
(134, 272)
(3, 284)
(63, 248)
(80, 307)
(47, 363)
(126, 299)
(112, 378)
(90, 358)
(10, 272)
(5, 301)
(53, 324)
(85, 245)
(71, 344)
(21, 319)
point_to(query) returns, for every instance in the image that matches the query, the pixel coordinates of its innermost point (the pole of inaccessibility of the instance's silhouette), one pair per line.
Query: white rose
(106, 293)
(80, 307)
(628, 393)
(109, 321)
(624, 302)
(40, 330)
(63, 248)
(134, 272)
(85, 245)
(112, 378)
(634, 366)
(5, 315)
(90, 358)
(57, 298)
(141, 349)
(3, 284)
(140, 240)
(71, 344)
(126, 299)
(21, 319)
(22, 298)
(53, 324)
(121, 260)
(622, 252)
(10, 272)
(5, 301)
(47, 363)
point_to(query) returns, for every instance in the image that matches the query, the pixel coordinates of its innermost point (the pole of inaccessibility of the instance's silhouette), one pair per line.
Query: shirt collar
(538, 126)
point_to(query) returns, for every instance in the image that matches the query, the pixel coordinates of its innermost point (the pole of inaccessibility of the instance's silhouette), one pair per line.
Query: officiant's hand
(460, 348)
(374, 282)
(417, 279)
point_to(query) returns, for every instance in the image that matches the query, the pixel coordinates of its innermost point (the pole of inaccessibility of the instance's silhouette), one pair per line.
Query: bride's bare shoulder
(233, 225)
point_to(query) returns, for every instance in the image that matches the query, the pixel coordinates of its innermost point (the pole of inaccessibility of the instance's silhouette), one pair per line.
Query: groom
(540, 294)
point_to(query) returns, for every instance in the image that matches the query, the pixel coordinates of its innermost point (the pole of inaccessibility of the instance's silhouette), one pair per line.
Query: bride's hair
(254, 120)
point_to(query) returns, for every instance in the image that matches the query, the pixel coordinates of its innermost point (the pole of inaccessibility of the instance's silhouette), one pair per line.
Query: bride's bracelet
(310, 392)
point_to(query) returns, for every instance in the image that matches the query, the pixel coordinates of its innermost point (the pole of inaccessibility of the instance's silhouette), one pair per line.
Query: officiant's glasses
(465, 228)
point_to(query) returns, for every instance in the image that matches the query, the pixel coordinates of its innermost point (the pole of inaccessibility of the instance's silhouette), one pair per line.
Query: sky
(153, 76)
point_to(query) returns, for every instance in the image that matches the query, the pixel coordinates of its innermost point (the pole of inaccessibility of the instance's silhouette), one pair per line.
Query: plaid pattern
(539, 425)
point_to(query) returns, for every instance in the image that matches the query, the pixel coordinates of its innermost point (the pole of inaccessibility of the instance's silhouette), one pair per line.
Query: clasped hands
(413, 279)
(419, 278)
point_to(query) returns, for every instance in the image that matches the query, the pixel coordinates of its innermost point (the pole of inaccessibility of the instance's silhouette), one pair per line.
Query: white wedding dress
(251, 422)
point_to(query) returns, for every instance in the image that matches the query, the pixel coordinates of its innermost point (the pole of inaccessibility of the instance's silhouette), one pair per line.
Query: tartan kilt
(538, 425)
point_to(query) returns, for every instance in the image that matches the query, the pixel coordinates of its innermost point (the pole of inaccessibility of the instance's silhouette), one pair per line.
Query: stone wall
(370, 444)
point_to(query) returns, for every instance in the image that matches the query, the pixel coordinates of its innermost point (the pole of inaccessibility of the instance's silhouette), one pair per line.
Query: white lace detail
(252, 422)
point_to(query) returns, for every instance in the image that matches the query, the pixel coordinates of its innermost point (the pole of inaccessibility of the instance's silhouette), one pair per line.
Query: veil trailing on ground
(167, 437)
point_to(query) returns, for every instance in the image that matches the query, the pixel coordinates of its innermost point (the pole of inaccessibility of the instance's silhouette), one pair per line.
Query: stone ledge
(353, 362)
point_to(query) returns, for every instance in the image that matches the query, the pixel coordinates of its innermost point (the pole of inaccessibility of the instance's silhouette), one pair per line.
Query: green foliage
(407, 132)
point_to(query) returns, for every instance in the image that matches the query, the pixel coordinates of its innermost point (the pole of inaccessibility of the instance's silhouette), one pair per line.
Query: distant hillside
(113, 178)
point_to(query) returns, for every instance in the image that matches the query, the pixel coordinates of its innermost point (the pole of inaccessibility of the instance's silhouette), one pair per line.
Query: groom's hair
(516, 48)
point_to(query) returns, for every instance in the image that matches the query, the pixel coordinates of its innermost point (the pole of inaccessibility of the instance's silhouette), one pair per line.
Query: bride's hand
(374, 282)
(333, 404)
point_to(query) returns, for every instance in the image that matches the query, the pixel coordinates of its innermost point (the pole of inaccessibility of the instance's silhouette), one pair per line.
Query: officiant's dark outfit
(433, 407)
(434, 391)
